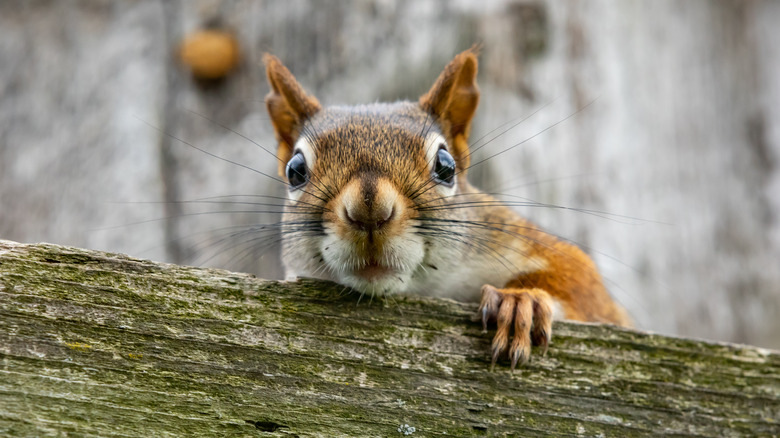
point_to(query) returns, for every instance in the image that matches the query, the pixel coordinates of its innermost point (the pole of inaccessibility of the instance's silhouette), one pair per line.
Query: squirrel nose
(370, 219)
(370, 203)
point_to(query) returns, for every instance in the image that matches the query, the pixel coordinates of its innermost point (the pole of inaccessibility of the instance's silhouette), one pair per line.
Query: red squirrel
(378, 200)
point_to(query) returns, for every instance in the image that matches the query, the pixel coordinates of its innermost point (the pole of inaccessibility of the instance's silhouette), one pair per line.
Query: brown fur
(371, 186)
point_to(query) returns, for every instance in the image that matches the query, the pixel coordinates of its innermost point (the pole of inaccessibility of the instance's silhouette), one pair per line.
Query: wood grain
(99, 344)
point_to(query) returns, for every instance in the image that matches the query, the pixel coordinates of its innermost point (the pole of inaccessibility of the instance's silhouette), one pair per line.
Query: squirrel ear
(453, 100)
(288, 105)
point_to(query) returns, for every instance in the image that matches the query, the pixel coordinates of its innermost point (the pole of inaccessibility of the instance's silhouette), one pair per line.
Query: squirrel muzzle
(368, 209)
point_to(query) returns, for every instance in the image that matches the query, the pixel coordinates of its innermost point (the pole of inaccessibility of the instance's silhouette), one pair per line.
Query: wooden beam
(104, 344)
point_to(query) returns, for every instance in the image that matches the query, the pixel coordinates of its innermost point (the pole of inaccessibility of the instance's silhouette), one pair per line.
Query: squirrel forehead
(377, 128)
(388, 140)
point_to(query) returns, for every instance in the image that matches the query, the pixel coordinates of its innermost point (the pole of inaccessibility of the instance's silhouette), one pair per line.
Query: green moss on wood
(98, 343)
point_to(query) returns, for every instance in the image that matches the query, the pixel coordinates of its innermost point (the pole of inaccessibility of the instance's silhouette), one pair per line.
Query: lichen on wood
(104, 344)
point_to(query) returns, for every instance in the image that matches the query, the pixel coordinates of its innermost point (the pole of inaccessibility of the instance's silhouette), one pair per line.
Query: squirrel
(378, 200)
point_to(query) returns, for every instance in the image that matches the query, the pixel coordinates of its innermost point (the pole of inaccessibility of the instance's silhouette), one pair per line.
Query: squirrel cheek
(447, 191)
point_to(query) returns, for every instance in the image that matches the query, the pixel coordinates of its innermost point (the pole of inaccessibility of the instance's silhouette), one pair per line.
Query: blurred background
(678, 143)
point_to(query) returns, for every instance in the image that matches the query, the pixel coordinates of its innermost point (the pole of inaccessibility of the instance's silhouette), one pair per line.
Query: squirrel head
(363, 180)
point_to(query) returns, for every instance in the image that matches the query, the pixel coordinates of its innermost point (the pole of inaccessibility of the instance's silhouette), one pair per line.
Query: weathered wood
(103, 344)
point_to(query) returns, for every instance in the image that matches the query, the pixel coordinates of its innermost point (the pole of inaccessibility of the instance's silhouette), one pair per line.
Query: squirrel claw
(526, 313)
(491, 299)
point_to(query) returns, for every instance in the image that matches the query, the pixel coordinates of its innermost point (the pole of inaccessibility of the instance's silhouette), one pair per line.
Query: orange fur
(454, 98)
(288, 105)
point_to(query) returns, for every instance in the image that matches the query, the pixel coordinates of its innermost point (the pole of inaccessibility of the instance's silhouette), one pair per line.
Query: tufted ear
(288, 105)
(453, 100)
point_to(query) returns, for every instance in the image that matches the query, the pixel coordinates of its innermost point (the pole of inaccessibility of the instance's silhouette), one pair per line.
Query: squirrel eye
(296, 171)
(444, 169)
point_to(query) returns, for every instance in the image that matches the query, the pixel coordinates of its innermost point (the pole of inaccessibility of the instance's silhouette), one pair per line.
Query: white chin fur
(403, 253)
(390, 285)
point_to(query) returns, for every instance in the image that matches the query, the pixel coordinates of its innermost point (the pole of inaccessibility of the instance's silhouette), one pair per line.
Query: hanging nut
(210, 54)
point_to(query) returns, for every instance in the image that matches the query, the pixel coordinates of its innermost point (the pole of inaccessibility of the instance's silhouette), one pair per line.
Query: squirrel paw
(528, 311)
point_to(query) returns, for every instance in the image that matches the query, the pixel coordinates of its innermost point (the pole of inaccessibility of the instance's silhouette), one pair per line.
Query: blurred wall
(678, 144)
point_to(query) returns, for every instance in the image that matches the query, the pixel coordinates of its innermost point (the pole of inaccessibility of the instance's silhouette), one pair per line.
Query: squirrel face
(364, 180)
(367, 168)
